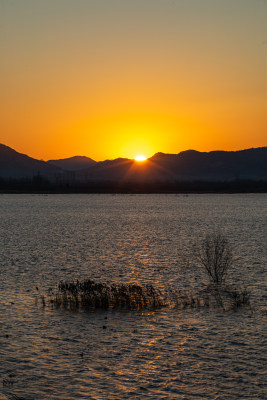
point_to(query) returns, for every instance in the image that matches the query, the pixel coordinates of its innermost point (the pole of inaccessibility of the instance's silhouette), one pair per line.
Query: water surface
(175, 354)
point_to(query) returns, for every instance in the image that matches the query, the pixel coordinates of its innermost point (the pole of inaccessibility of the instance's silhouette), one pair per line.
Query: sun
(140, 157)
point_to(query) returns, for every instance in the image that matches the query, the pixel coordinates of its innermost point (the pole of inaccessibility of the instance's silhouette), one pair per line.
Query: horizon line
(132, 159)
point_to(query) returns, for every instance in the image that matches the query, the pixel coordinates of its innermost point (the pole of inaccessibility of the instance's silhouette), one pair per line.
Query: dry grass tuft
(92, 295)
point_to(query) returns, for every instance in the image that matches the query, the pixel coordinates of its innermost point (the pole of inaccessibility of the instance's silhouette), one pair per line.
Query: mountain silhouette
(16, 165)
(190, 165)
(72, 163)
(215, 165)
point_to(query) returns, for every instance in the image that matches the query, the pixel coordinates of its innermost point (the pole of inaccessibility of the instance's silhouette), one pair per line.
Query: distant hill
(73, 163)
(187, 166)
(17, 165)
(215, 165)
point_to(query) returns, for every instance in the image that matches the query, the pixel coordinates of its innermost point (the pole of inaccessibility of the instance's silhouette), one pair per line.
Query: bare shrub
(215, 256)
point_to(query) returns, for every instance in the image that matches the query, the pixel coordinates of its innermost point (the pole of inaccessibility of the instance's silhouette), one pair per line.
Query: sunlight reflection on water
(50, 354)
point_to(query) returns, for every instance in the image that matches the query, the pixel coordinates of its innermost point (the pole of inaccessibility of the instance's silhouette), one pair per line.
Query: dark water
(166, 354)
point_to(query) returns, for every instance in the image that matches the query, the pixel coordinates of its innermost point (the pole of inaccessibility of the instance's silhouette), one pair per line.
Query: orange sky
(115, 78)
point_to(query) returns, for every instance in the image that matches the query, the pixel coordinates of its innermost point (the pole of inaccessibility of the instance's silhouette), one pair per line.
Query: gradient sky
(115, 78)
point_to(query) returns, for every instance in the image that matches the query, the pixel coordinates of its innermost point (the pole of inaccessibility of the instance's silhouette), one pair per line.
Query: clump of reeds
(92, 295)
(214, 296)
(178, 299)
(237, 297)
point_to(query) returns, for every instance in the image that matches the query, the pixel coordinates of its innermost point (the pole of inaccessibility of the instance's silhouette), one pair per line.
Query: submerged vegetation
(92, 295)
(225, 297)
(214, 255)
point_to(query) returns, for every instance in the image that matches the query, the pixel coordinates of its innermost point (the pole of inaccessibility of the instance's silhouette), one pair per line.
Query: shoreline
(106, 187)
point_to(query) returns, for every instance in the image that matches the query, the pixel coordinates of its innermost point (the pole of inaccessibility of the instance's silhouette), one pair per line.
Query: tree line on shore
(39, 183)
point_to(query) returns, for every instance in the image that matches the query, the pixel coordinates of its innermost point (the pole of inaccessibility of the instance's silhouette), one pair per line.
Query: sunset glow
(140, 158)
(106, 78)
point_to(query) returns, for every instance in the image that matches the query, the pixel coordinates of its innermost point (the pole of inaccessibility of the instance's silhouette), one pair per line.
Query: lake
(204, 353)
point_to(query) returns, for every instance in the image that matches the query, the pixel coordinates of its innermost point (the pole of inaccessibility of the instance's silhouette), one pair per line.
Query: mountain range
(190, 165)
(75, 163)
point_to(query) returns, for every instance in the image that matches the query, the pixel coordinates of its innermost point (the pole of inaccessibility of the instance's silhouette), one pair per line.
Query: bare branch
(215, 255)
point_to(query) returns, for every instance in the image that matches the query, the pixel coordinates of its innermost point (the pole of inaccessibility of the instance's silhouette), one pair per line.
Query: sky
(117, 78)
